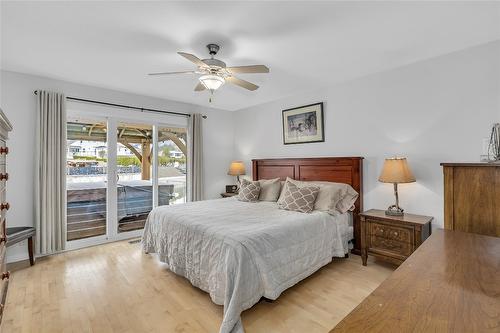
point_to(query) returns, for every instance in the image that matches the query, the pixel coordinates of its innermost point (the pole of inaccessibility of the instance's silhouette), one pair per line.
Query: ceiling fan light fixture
(212, 82)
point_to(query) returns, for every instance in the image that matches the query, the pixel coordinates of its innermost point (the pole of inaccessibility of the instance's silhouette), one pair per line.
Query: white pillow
(349, 197)
(332, 196)
(269, 189)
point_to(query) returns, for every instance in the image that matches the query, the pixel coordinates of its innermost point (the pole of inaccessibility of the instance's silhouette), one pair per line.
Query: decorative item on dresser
(472, 197)
(493, 151)
(395, 171)
(392, 238)
(450, 284)
(5, 127)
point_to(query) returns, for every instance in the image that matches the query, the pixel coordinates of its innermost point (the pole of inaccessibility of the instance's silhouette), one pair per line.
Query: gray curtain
(195, 158)
(50, 173)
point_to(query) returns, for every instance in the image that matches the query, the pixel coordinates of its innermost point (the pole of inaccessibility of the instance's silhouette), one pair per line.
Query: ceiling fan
(214, 72)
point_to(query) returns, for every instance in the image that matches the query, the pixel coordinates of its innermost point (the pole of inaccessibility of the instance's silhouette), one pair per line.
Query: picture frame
(303, 124)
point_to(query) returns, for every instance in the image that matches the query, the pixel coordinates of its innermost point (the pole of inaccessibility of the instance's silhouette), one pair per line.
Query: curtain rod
(126, 106)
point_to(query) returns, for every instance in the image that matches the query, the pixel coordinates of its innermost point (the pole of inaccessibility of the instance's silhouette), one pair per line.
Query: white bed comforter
(238, 251)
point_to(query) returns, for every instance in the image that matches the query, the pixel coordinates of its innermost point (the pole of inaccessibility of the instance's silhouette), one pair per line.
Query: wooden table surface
(451, 283)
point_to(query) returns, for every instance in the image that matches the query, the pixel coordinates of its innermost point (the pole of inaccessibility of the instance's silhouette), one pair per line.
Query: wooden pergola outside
(128, 135)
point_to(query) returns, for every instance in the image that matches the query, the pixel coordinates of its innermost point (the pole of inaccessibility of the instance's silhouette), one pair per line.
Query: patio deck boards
(86, 209)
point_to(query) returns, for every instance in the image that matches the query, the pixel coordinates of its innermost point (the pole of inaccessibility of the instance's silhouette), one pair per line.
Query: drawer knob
(4, 176)
(5, 275)
(4, 150)
(395, 233)
(5, 206)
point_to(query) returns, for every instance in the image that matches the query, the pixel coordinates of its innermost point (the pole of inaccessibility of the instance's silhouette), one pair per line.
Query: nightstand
(392, 238)
(228, 195)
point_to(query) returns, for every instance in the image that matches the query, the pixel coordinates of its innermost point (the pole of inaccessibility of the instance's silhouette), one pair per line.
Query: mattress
(239, 252)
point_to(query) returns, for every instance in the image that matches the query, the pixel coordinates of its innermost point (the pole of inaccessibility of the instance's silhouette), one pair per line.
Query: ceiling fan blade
(194, 59)
(242, 83)
(199, 87)
(170, 73)
(248, 69)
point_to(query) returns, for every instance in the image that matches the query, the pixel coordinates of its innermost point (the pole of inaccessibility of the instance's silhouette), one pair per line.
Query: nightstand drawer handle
(395, 233)
(5, 206)
(4, 150)
(5, 275)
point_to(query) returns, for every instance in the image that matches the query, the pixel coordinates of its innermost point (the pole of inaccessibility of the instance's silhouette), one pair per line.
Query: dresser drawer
(4, 205)
(3, 263)
(390, 247)
(4, 177)
(4, 279)
(2, 231)
(3, 152)
(392, 232)
(4, 286)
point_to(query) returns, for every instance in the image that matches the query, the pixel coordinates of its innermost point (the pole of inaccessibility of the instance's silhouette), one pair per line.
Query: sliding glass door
(86, 178)
(135, 180)
(172, 167)
(117, 172)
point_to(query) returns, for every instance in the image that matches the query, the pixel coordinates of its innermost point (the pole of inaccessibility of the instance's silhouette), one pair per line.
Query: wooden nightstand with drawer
(392, 238)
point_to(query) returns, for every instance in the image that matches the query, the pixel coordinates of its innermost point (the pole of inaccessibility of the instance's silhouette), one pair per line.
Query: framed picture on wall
(303, 124)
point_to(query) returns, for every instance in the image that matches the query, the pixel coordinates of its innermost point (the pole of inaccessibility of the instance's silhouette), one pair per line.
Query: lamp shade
(396, 170)
(236, 168)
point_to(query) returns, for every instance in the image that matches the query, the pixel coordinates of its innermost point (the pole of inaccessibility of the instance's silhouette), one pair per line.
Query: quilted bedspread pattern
(239, 252)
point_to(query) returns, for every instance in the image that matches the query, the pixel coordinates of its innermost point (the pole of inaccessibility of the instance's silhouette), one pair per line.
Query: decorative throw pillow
(249, 191)
(332, 197)
(299, 199)
(269, 189)
(349, 197)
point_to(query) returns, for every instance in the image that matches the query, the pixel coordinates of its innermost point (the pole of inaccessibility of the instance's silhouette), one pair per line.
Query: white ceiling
(306, 45)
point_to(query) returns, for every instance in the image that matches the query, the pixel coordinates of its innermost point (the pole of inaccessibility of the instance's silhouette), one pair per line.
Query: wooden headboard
(348, 170)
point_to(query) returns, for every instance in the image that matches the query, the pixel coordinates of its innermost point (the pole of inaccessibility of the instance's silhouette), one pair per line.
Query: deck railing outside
(86, 200)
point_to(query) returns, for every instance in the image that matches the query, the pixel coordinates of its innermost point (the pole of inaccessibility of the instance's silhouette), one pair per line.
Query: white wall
(433, 111)
(19, 104)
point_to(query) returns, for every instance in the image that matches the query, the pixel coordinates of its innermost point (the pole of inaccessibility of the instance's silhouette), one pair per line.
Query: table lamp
(396, 170)
(236, 168)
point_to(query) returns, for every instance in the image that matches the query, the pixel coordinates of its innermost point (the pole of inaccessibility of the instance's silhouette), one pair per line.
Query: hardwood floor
(116, 288)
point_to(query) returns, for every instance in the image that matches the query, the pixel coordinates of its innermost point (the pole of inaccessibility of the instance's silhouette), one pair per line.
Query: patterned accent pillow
(299, 199)
(249, 191)
(332, 197)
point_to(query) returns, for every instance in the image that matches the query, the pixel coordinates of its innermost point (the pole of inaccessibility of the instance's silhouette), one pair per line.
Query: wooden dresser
(449, 284)
(5, 127)
(472, 197)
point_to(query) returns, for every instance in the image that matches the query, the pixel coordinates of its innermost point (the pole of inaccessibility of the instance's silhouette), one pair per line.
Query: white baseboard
(19, 251)
(17, 257)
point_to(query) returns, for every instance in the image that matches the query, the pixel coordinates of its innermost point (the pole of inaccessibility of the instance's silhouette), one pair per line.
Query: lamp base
(238, 184)
(394, 210)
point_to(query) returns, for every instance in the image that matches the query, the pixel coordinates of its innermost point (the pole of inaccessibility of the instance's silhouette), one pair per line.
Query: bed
(239, 252)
